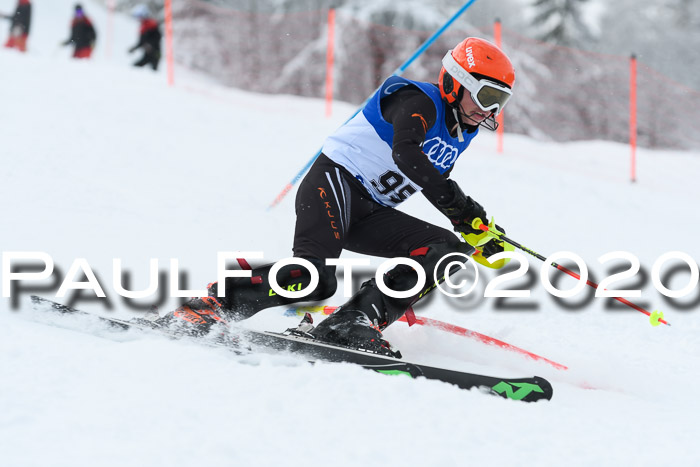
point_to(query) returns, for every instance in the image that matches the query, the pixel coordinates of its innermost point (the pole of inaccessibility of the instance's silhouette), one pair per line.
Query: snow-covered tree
(664, 34)
(560, 21)
(567, 88)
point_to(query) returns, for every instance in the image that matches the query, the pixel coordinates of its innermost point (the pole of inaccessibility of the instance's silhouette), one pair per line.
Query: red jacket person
(19, 26)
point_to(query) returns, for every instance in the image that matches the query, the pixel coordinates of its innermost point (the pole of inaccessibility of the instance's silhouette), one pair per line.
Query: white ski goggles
(489, 96)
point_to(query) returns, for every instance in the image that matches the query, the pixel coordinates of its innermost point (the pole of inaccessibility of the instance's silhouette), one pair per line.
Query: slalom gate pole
(654, 317)
(398, 72)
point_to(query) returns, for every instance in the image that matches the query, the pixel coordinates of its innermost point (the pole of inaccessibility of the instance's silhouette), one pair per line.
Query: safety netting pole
(633, 118)
(169, 41)
(329, 62)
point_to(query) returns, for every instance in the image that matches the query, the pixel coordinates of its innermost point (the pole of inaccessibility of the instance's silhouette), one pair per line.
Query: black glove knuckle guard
(461, 209)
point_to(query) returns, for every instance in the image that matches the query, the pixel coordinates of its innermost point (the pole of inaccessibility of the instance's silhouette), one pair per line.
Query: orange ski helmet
(479, 58)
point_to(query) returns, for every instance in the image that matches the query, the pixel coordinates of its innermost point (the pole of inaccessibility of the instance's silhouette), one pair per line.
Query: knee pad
(246, 296)
(404, 277)
(327, 283)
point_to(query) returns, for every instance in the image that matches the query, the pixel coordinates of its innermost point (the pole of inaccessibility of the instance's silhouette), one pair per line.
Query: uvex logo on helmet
(470, 58)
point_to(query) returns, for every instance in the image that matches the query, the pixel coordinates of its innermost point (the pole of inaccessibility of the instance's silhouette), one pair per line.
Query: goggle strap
(455, 70)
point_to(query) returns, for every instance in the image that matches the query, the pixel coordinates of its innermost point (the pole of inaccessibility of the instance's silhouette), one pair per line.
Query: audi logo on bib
(441, 154)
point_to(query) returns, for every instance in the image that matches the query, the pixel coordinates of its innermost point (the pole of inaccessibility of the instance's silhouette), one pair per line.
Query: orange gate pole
(169, 41)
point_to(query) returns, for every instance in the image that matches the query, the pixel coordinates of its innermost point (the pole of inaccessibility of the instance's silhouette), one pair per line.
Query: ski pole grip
(478, 225)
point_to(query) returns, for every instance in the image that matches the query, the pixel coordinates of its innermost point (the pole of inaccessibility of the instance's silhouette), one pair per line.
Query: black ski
(243, 341)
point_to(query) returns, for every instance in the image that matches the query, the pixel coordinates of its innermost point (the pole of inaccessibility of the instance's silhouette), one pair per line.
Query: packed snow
(104, 161)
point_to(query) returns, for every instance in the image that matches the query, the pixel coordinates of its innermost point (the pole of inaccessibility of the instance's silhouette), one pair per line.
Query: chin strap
(490, 123)
(459, 126)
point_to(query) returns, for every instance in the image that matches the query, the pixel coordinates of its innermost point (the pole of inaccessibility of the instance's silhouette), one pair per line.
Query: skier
(82, 34)
(406, 139)
(149, 38)
(19, 27)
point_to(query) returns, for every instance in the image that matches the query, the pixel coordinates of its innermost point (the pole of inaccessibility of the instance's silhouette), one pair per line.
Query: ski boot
(359, 322)
(244, 297)
(349, 329)
(356, 324)
(197, 318)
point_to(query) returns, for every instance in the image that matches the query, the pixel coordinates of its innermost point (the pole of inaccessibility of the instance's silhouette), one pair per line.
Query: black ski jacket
(82, 33)
(22, 17)
(149, 37)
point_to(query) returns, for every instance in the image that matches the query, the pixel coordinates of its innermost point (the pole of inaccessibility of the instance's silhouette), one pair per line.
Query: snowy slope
(102, 161)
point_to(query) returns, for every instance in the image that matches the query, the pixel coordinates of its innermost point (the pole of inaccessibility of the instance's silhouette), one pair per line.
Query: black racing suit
(22, 19)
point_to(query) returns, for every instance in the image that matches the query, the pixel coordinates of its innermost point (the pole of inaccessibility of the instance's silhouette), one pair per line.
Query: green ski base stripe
(394, 372)
(524, 389)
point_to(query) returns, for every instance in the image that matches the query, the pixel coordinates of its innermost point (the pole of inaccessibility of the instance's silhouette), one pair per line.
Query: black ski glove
(462, 210)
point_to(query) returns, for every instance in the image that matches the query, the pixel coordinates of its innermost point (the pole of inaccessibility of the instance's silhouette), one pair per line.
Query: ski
(526, 389)
(529, 389)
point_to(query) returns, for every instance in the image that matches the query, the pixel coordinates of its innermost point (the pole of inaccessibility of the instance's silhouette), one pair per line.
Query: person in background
(82, 34)
(149, 38)
(19, 27)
